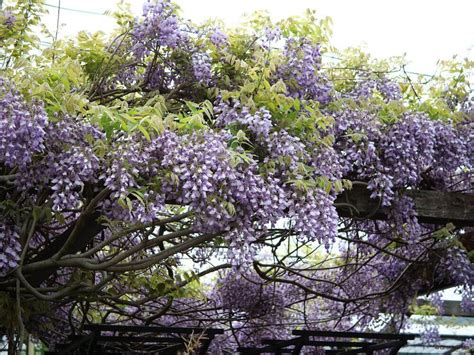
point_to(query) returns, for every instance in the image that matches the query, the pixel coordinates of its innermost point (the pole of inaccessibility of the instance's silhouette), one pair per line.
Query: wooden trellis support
(435, 207)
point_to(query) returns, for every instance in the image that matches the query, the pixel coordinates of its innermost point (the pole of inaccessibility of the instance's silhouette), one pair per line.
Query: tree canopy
(181, 174)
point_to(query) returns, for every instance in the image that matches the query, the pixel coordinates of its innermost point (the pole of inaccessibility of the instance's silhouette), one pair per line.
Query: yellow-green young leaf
(248, 87)
(124, 125)
(144, 132)
(129, 203)
(425, 310)
(241, 135)
(208, 108)
(37, 212)
(347, 184)
(192, 106)
(328, 140)
(157, 124)
(279, 87)
(299, 185)
(122, 203)
(230, 208)
(139, 196)
(338, 186)
(297, 104)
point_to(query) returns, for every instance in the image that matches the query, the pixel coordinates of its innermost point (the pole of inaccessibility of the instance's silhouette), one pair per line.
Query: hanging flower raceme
(244, 291)
(10, 247)
(202, 68)
(301, 73)
(22, 127)
(158, 26)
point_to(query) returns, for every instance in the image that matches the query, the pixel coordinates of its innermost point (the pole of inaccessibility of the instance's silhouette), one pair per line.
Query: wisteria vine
(231, 149)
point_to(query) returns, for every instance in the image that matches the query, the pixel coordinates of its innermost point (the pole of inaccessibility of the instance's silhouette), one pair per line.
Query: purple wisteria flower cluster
(287, 152)
(160, 24)
(302, 73)
(399, 155)
(244, 291)
(22, 127)
(10, 247)
(367, 87)
(9, 18)
(430, 335)
(197, 170)
(202, 68)
(456, 266)
(218, 38)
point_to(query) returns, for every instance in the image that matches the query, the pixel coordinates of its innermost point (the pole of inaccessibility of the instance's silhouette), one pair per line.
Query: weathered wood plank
(444, 207)
(435, 207)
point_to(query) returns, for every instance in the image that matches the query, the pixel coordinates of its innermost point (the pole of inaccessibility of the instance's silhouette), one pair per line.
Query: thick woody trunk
(11, 343)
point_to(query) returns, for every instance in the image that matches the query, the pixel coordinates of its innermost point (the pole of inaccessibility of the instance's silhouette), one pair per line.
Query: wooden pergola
(436, 207)
(128, 339)
(340, 343)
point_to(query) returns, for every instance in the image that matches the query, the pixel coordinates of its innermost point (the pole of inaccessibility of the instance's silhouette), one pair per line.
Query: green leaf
(144, 132)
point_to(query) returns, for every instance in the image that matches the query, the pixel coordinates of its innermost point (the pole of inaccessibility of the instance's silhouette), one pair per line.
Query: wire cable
(76, 10)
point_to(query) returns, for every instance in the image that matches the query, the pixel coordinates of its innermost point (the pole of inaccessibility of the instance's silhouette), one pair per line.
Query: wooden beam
(436, 207)
(361, 335)
(151, 329)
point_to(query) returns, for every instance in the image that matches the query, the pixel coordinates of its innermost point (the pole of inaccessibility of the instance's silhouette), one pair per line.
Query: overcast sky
(426, 30)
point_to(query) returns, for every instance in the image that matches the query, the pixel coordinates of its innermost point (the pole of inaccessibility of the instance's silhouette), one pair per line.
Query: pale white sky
(427, 30)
